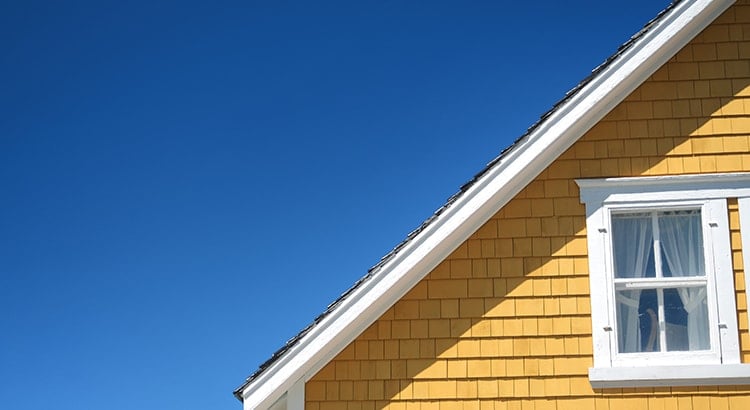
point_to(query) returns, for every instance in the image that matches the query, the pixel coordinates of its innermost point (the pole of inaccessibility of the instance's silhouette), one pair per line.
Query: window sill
(678, 375)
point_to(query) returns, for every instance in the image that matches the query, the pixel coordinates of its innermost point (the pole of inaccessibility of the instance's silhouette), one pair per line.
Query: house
(596, 263)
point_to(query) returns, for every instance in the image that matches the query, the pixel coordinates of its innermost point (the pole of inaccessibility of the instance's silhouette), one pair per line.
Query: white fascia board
(482, 200)
(661, 376)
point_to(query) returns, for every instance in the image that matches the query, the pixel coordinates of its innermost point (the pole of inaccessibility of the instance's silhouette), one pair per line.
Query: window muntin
(660, 283)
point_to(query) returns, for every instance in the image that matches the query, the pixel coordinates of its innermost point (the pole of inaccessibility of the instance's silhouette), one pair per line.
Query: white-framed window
(662, 286)
(661, 279)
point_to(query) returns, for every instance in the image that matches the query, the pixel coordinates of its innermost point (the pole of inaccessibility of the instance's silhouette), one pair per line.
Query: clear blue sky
(187, 185)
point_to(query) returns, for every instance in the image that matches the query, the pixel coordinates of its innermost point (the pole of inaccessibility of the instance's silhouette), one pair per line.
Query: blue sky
(187, 185)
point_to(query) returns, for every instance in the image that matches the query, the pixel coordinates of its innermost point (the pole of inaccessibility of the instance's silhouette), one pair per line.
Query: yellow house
(596, 263)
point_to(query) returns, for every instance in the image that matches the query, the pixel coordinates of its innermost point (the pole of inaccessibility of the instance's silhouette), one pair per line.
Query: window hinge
(723, 326)
(713, 224)
(602, 230)
(607, 328)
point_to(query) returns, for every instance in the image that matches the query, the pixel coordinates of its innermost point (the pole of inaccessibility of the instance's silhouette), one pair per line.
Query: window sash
(654, 321)
(616, 284)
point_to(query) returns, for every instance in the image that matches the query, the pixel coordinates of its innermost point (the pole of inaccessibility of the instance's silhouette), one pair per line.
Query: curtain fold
(633, 245)
(681, 242)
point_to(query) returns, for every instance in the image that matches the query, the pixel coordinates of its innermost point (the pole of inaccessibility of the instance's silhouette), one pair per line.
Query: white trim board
(659, 376)
(744, 211)
(672, 187)
(483, 199)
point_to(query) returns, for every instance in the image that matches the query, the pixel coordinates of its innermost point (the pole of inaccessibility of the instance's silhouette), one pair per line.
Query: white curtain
(633, 245)
(682, 244)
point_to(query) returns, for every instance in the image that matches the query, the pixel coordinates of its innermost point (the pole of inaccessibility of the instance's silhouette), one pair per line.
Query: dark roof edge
(374, 269)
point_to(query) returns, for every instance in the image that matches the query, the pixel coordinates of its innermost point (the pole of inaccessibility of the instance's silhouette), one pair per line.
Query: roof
(582, 106)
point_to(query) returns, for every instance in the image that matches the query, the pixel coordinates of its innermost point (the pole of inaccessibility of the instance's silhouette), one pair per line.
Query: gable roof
(480, 198)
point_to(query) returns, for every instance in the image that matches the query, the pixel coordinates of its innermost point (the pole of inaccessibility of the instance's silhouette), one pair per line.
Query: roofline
(497, 186)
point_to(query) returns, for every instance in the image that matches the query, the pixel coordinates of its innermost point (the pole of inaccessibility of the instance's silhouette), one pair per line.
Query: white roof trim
(482, 200)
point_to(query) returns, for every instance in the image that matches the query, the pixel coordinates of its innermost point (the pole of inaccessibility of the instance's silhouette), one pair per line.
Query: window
(662, 284)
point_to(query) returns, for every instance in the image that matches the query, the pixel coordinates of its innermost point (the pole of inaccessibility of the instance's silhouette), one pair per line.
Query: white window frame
(719, 344)
(709, 192)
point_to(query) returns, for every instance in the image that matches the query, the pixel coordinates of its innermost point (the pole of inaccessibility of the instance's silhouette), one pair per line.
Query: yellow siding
(504, 322)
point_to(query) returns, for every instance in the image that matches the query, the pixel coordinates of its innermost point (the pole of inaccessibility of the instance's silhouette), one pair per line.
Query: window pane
(686, 317)
(681, 241)
(637, 323)
(632, 242)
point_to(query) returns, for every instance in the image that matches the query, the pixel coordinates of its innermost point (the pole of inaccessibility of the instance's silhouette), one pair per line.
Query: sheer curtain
(682, 246)
(633, 245)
